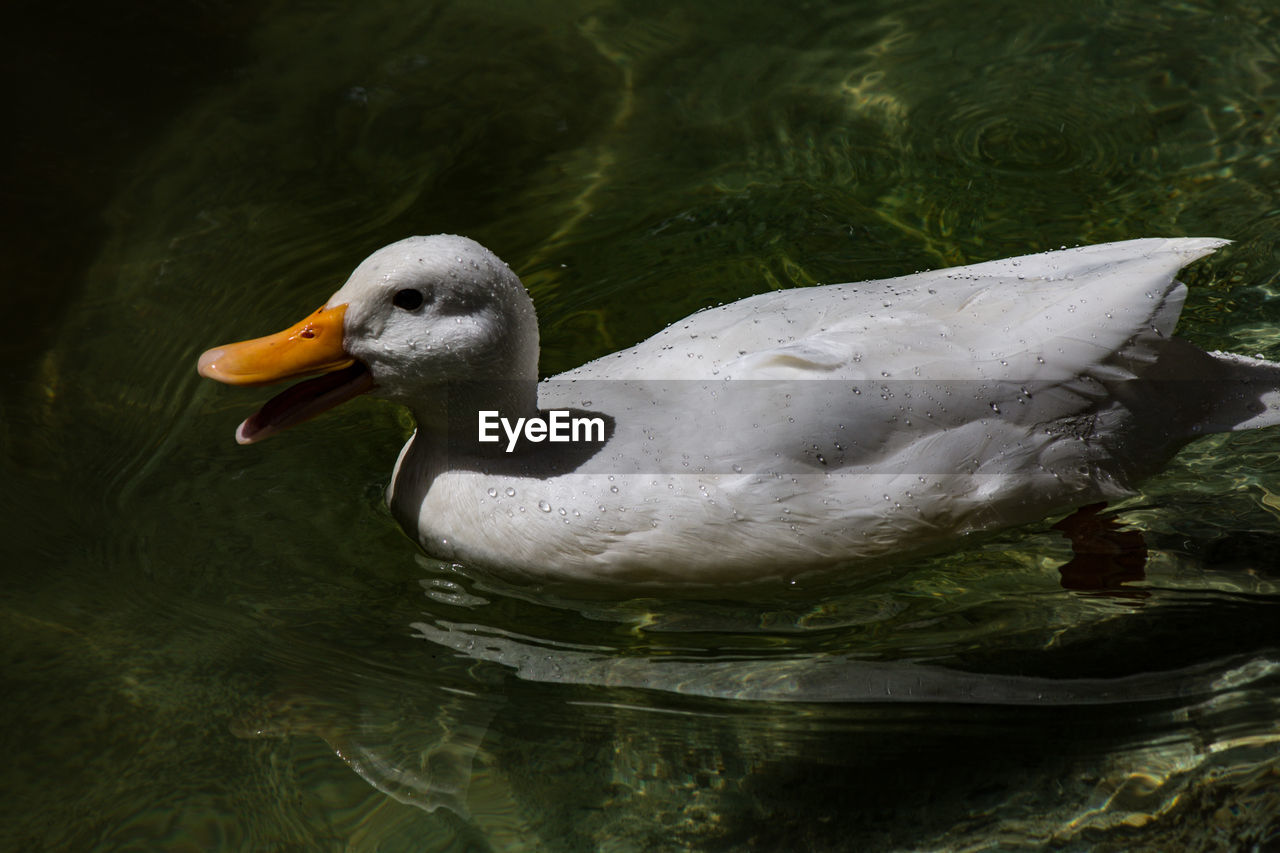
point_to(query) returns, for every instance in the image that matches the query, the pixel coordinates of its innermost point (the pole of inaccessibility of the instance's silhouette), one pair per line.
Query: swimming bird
(790, 432)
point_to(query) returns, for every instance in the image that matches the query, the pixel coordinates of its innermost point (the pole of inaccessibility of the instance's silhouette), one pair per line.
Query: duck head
(417, 317)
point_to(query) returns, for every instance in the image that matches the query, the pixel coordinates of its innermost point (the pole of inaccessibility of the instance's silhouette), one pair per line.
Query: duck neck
(451, 419)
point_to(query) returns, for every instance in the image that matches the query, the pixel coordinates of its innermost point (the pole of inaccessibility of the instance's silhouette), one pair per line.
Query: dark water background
(214, 647)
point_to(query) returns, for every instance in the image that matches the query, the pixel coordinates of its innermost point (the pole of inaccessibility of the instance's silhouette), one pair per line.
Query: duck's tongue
(304, 401)
(312, 346)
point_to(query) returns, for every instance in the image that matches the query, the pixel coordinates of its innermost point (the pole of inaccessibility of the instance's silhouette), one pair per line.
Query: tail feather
(1246, 395)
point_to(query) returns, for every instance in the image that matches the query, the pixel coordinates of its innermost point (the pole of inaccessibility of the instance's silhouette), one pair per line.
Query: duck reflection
(522, 739)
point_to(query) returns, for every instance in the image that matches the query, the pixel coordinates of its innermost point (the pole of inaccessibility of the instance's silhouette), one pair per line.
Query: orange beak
(312, 346)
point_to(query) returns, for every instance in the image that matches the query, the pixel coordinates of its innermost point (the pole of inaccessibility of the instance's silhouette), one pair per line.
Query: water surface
(210, 646)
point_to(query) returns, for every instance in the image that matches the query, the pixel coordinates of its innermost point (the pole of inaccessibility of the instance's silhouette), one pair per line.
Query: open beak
(312, 346)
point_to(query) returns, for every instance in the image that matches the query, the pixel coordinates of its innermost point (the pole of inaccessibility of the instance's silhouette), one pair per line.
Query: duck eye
(408, 299)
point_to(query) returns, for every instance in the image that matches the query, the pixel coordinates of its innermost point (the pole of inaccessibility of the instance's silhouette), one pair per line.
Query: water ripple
(1009, 123)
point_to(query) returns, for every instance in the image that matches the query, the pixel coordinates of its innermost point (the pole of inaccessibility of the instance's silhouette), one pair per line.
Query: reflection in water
(633, 165)
(831, 678)
(700, 750)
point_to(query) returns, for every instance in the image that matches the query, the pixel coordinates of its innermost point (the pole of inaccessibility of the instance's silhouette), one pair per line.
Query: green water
(209, 646)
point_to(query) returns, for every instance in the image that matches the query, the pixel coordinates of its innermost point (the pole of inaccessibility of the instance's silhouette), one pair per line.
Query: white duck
(788, 432)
